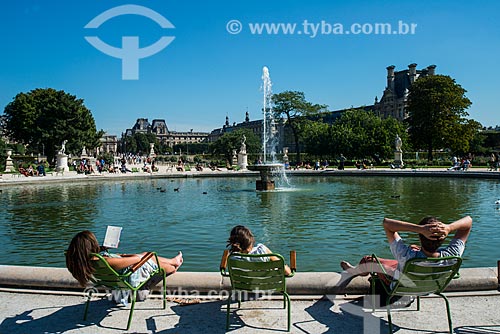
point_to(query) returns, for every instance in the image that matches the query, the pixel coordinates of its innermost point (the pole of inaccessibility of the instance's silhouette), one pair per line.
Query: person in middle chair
(241, 240)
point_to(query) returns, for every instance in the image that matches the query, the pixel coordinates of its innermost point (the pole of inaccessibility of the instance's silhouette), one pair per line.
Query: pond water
(325, 219)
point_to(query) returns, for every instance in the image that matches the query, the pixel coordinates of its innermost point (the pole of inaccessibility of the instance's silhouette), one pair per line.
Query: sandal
(185, 301)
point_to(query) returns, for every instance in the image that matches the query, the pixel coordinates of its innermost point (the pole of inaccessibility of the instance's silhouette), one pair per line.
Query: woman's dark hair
(78, 256)
(430, 245)
(240, 239)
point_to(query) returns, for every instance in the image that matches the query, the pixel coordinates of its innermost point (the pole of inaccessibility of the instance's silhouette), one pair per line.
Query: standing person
(492, 161)
(241, 240)
(342, 162)
(79, 260)
(432, 234)
(316, 165)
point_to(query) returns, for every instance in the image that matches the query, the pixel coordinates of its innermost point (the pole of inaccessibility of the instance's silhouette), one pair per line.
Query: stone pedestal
(265, 170)
(242, 161)
(398, 159)
(62, 163)
(9, 165)
(262, 185)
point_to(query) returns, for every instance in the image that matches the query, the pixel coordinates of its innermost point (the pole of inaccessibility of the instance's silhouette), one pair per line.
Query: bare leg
(368, 265)
(171, 265)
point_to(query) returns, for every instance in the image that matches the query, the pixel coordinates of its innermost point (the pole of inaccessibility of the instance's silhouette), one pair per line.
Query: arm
(118, 263)
(288, 271)
(461, 227)
(430, 231)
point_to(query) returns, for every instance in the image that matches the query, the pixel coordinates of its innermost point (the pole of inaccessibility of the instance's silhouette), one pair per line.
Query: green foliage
(139, 143)
(437, 115)
(357, 134)
(3, 153)
(192, 148)
(230, 141)
(491, 140)
(44, 118)
(297, 111)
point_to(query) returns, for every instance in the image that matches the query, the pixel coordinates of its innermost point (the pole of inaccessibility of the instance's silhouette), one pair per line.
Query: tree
(139, 143)
(44, 118)
(314, 135)
(437, 115)
(297, 110)
(3, 155)
(230, 141)
(359, 133)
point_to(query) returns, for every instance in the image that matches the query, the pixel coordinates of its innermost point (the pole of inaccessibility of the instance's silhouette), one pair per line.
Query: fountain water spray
(269, 139)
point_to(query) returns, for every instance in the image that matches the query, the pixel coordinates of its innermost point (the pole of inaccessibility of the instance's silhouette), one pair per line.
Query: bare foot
(178, 259)
(346, 265)
(355, 271)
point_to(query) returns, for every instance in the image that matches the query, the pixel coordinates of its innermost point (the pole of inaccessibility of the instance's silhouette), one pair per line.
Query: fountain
(269, 139)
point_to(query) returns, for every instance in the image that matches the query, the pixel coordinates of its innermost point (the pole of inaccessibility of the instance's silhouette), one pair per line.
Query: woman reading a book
(79, 260)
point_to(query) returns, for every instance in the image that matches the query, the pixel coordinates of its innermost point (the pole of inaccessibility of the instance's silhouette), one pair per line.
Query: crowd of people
(148, 165)
(462, 164)
(39, 170)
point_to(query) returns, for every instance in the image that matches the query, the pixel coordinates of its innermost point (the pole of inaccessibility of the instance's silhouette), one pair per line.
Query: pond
(324, 218)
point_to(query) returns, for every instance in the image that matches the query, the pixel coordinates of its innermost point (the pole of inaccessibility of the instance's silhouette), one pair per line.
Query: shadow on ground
(347, 317)
(203, 318)
(63, 319)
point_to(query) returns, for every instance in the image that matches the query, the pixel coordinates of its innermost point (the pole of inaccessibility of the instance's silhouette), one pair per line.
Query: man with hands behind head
(432, 234)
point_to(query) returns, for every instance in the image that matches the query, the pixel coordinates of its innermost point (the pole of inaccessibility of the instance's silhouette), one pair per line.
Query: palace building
(395, 97)
(165, 136)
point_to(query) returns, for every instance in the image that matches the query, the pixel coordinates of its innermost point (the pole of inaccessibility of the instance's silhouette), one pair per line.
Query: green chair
(106, 276)
(256, 276)
(420, 277)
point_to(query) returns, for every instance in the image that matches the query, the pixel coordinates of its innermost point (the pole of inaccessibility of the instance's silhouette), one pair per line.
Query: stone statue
(398, 143)
(242, 154)
(243, 147)
(152, 150)
(63, 147)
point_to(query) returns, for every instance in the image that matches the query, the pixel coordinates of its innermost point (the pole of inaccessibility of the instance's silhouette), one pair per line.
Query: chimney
(413, 72)
(390, 77)
(431, 70)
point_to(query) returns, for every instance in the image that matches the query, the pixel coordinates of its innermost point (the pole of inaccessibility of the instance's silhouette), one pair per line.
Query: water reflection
(38, 218)
(324, 218)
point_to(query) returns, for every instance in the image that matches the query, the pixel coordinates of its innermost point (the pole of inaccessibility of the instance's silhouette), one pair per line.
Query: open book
(112, 238)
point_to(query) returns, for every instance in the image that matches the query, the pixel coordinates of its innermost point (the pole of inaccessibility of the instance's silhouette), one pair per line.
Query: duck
(204, 193)
(162, 190)
(497, 202)
(176, 189)
(395, 196)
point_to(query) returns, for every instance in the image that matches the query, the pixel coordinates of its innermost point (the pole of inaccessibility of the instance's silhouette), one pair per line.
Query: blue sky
(207, 73)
